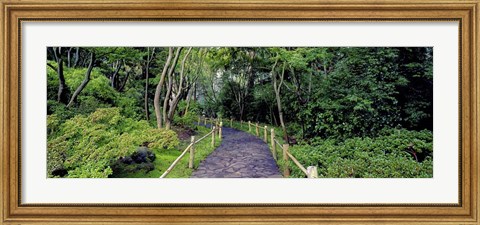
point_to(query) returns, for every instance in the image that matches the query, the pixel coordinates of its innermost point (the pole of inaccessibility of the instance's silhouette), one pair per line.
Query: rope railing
(206, 135)
(176, 161)
(297, 163)
(191, 148)
(278, 143)
(310, 171)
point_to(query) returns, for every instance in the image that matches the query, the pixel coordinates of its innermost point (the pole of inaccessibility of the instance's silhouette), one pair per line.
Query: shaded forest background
(352, 112)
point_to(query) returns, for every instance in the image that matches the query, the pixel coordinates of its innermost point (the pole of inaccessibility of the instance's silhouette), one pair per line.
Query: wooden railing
(191, 148)
(310, 171)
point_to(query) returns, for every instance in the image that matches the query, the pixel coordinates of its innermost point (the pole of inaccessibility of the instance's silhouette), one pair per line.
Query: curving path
(241, 155)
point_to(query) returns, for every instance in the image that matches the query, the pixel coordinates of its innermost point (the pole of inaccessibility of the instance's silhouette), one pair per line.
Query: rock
(61, 172)
(141, 159)
(126, 160)
(143, 154)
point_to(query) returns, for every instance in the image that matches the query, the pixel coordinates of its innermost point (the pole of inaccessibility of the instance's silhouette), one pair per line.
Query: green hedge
(390, 155)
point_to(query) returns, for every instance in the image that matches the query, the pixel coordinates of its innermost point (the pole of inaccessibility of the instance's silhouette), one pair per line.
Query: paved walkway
(241, 155)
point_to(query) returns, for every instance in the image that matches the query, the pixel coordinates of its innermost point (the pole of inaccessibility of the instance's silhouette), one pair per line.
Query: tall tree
(114, 76)
(158, 91)
(62, 95)
(197, 67)
(77, 56)
(150, 58)
(175, 90)
(238, 76)
(277, 86)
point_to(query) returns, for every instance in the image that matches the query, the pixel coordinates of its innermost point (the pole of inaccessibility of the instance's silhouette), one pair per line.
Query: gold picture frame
(14, 12)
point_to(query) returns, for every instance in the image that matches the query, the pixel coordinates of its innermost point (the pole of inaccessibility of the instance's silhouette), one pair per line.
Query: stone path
(241, 155)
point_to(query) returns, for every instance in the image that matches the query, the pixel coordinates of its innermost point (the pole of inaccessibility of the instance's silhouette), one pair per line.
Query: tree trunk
(147, 117)
(188, 99)
(149, 60)
(168, 125)
(180, 91)
(77, 56)
(62, 86)
(277, 88)
(51, 53)
(168, 95)
(114, 76)
(85, 80)
(124, 82)
(191, 90)
(158, 91)
(195, 92)
(300, 100)
(166, 120)
(280, 115)
(68, 57)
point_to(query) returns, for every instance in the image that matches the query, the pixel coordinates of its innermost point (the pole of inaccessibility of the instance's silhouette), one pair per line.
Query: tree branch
(51, 66)
(85, 80)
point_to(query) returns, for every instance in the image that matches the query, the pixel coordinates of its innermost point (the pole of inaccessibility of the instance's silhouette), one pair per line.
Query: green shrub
(128, 103)
(186, 120)
(86, 146)
(387, 156)
(295, 130)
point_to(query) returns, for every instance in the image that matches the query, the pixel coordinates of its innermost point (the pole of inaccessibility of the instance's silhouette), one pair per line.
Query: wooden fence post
(231, 122)
(205, 121)
(220, 130)
(192, 152)
(249, 126)
(312, 172)
(274, 146)
(198, 121)
(213, 136)
(265, 135)
(286, 171)
(256, 129)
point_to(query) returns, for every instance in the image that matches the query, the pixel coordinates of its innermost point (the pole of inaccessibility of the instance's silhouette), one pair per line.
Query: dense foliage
(86, 146)
(356, 112)
(351, 111)
(398, 153)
